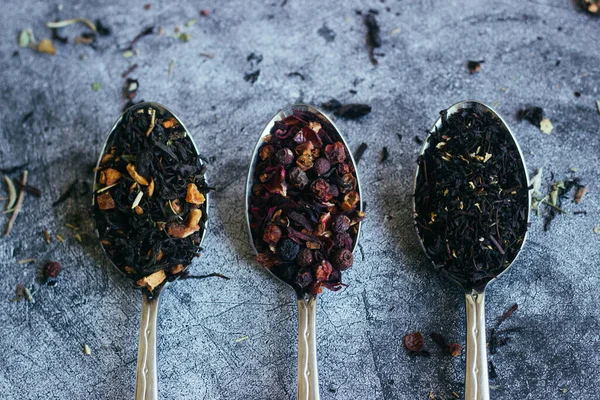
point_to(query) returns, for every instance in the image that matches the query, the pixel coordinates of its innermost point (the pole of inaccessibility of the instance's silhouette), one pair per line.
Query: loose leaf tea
(471, 197)
(304, 206)
(149, 206)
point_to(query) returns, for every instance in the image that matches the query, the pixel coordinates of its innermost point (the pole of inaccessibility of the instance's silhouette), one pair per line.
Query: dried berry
(455, 349)
(304, 279)
(335, 152)
(340, 223)
(284, 156)
(287, 249)
(320, 188)
(413, 342)
(321, 166)
(298, 178)
(347, 183)
(342, 240)
(304, 257)
(272, 234)
(343, 259)
(51, 271)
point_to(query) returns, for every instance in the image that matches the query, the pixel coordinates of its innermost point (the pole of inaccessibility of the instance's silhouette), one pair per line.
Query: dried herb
(252, 77)
(62, 24)
(304, 206)
(359, 152)
(47, 237)
(18, 206)
(145, 32)
(50, 272)
(474, 66)
(298, 74)
(492, 370)
(373, 36)
(418, 140)
(347, 111)
(471, 197)
(12, 193)
(384, 154)
(150, 208)
(558, 192)
(102, 29)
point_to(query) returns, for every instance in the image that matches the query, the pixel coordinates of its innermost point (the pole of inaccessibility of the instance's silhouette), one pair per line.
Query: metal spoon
(477, 384)
(308, 376)
(146, 385)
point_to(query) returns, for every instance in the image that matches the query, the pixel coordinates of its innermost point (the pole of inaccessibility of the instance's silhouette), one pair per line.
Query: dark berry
(342, 240)
(287, 249)
(284, 156)
(320, 188)
(413, 342)
(304, 278)
(340, 223)
(321, 166)
(287, 272)
(305, 257)
(343, 259)
(334, 191)
(297, 178)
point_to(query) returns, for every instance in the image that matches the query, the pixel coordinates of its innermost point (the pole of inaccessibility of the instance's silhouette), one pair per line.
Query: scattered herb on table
(17, 208)
(304, 206)
(50, 272)
(359, 152)
(474, 66)
(150, 208)
(385, 154)
(347, 111)
(471, 197)
(373, 36)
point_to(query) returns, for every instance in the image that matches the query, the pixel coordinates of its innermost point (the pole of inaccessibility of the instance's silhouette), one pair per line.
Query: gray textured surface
(392, 290)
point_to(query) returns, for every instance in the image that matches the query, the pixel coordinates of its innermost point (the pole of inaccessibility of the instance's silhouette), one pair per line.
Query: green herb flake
(96, 86)
(26, 38)
(128, 54)
(171, 66)
(190, 22)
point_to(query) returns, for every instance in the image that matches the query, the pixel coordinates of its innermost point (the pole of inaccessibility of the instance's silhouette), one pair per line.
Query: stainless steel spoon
(477, 383)
(308, 376)
(146, 385)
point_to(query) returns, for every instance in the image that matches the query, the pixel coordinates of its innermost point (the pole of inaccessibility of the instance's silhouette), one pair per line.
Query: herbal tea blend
(304, 207)
(471, 197)
(149, 206)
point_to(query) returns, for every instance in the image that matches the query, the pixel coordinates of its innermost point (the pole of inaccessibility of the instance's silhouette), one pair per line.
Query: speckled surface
(236, 339)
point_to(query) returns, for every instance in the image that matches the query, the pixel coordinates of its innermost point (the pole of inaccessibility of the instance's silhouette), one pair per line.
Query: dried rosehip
(304, 257)
(455, 349)
(305, 162)
(342, 240)
(284, 156)
(343, 259)
(334, 191)
(266, 152)
(321, 166)
(298, 178)
(335, 152)
(287, 249)
(51, 271)
(347, 183)
(272, 234)
(304, 278)
(343, 169)
(413, 342)
(320, 188)
(340, 223)
(350, 201)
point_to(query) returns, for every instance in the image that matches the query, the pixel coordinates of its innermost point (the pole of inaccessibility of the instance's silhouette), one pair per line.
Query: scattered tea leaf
(70, 190)
(190, 22)
(474, 66)
(546, 126)
(241, 339)
(204, 13)
(532, 114)
(536, 182)
(26, 38)
(171, 66)
(145, 32)
(96, 86)
(579, 193)
(103, 30)
(87, 350)
(507, 314)
(596, 230)
(47, 237)
(26, 261)
(28, 295)
(19, 292)
(252, 77)
(353, 111)
(373, 36)
(18, 206)
(129, 70)
(67, 22)
(28, 188)
(128, 54)
(384, 154)
(46, 46)
(359, 152)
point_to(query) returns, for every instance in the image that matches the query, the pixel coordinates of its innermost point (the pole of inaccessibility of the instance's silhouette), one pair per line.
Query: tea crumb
(474, 66)
(87, 350)
(546, 126)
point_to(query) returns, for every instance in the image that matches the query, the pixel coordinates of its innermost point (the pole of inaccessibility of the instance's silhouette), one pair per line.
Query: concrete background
(236, 339)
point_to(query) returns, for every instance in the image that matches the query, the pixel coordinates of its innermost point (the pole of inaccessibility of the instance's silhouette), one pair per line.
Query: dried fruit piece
(105, 201)
(109, 176)
(194, 218)
(51, 271)
(455, 349)
(193, 195)
(287, 250)
(177, 269)
(151, 281)
(135, 176)
(272, 234)
(46, 46)
(181, 231)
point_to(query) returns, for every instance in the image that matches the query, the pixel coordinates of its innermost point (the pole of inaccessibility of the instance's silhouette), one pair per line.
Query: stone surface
(236, 339)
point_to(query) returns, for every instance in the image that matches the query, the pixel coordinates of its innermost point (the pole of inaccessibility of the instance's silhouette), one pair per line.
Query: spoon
(477, 384)
(146, 387)
(308, 376)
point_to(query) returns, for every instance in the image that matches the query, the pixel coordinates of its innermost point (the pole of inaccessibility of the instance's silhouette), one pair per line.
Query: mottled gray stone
(392, 289)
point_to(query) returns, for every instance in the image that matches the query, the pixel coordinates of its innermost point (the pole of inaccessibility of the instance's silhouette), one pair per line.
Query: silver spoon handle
(477, 384)
(146, 384)
(308, 375)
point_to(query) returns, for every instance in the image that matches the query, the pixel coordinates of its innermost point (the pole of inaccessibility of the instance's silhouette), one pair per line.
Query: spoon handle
(146, 384)
(477, 384)
(308, 375)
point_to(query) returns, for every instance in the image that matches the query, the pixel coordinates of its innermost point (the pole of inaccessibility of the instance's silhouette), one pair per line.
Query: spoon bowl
(308, 382)
(477, 385)
(146, 377)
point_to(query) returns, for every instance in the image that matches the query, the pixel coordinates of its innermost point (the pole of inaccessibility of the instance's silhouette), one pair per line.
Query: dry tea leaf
(190, 22)
(46, 46)
(67, 22)
(536, 182)
(87, 350)
(26, 38)
(580, 193)
(12, 193)
(546, 126)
